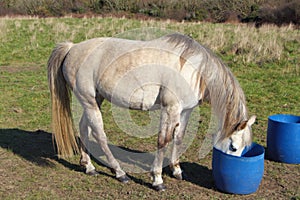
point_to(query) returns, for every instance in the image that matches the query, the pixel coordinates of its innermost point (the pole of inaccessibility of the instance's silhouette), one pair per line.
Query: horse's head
(239, 139)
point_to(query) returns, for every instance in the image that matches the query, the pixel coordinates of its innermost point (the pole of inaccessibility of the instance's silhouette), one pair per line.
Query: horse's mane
(225, 94)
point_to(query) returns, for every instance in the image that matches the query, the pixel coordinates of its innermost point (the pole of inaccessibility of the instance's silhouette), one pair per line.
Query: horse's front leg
(157, 167)
(177, 144)
(168, 124)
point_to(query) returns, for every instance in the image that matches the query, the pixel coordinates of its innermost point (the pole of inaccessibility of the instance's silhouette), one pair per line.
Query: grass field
(265, 61)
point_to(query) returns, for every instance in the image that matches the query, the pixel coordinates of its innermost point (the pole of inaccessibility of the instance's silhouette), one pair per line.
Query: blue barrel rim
(244, 158)
(274, 118)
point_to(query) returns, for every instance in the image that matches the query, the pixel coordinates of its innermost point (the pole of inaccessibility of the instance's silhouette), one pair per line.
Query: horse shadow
(140, 161)
(37, 147)
(196, 174)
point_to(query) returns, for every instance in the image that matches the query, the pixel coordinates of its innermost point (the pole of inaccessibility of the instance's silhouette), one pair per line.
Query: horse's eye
(232, 148)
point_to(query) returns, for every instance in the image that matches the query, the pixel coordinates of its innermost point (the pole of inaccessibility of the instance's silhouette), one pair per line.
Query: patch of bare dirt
(28, 160)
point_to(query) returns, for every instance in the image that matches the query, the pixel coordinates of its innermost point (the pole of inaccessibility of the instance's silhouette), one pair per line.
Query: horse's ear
(251, 120)
(241, 125)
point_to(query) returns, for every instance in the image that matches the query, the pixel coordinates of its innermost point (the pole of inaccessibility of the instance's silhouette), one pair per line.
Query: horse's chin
(224, 147)
(235, 153)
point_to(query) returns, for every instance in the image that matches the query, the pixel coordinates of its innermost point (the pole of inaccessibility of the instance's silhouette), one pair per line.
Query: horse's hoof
(181, 176)
(92, 173)
(160, 187)
(124, 179)
(178, 176)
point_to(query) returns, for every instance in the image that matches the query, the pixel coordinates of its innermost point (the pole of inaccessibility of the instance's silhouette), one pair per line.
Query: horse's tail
(62, 123)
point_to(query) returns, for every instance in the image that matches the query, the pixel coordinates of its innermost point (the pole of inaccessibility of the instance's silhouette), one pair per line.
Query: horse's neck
(227, 99)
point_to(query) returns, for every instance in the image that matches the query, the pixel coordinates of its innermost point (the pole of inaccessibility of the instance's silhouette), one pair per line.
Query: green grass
(23, 95)
(265, 61)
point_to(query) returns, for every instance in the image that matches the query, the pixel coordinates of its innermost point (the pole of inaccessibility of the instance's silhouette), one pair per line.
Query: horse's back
(127, 72)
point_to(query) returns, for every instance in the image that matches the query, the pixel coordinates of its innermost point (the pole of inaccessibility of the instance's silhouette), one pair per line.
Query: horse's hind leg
(94, 119)
(85, 160)
(177, 143)
(85, 130)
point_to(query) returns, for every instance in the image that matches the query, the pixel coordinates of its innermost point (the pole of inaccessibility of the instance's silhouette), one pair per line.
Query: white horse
(173, 73)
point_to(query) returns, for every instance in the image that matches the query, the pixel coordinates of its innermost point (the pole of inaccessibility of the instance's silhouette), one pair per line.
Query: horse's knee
(170, 133)
(162, 142)
(178, 139)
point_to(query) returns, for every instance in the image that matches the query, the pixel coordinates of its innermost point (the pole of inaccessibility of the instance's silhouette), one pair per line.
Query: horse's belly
(145, 98)
(140, 98)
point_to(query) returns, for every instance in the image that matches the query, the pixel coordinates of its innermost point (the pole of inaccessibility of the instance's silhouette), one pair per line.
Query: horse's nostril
(232, 148)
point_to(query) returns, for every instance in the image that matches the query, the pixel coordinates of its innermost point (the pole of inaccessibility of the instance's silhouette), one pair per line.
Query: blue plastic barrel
(239, 175)
(283, 138)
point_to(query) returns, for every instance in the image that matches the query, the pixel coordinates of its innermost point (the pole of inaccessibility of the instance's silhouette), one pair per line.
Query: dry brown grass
(241, 42)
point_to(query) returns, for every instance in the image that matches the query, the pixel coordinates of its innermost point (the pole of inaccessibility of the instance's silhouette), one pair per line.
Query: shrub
(44, 7)
(280, 12)
(222, 10)
(256, 11)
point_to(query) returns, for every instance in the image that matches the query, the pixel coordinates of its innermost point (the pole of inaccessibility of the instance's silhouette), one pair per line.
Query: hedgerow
(255, 11)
